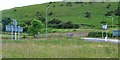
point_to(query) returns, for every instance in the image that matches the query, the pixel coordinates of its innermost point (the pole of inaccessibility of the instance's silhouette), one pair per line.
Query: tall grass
(59, 48)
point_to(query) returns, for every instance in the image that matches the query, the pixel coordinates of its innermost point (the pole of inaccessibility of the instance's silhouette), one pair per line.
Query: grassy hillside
(75, 13)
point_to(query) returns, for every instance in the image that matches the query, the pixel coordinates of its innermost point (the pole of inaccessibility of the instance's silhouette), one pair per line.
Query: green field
(58, 45)
(75, 13)
(58, 48)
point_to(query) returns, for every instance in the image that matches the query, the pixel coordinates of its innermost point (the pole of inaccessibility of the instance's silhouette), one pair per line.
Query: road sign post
(14, 29)
(12, 32)
(104, 27)
(102, 34)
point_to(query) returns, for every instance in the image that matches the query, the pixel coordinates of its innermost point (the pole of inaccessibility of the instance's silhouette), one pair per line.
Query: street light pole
(112, 22)
(46, 22)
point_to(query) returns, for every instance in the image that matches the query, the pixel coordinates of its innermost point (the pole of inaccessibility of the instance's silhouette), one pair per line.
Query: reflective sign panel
(15, 29)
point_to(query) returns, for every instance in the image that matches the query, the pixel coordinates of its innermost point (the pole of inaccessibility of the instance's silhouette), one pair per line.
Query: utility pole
(46, 22)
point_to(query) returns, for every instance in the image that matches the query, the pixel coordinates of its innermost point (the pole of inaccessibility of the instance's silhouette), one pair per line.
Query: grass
(59, 48)
(75, 13)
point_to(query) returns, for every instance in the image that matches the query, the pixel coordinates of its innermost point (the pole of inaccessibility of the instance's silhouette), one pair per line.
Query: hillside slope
(74, 13)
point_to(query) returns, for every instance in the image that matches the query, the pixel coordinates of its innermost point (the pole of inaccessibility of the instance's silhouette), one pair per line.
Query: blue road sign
(8, 28)
(15, 29)
(116, 32)
(14, 22)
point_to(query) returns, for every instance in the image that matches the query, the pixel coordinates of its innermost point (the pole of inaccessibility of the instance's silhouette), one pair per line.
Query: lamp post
(112, 20)
(46, 21)
(112, 23)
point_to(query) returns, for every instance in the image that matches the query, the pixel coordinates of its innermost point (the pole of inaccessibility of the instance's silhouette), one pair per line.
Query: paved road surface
(102, 40)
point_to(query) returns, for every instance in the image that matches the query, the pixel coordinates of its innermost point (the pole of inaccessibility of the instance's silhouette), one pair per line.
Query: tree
(0, 27)
(78, 2)
(108, 6)
(14, 10)
(69, 4)
(38, 14)
(42, 19)
(109, 13)
(61, 5)
(88, 14)
(51, 13)
(53, 5)
(36, 27)
(6, 21)
(117, 12)
(103, 22)
(54, 21)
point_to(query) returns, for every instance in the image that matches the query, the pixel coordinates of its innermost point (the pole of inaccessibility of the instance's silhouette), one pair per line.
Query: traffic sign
(104, 27)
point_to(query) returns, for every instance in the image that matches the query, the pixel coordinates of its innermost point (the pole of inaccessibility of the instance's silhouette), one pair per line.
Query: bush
(53, 5)
(50, 2)
(103, 22)
(88, 14)
(54, 21)
(24, 36)
(98, 34)
(78, 2)
(42, 19)
(61, 5)
(69, 4)
(108, 6)
(6, 21)
(51, 13)
(14, 10)
(117, 12)
(109, 13)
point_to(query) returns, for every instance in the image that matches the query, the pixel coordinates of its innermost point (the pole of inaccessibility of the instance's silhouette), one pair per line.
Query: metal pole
(102, 34)
(12, 33)
(106, 34)
(18, 33)
(15, 35)
(112, 24)
(18, 36)
(46, 23)
(15, 32)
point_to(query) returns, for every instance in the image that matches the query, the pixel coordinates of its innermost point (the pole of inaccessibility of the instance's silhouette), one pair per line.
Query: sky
(7, 4)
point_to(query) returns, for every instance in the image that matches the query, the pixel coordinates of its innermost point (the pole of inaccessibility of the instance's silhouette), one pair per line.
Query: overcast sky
(7, 4)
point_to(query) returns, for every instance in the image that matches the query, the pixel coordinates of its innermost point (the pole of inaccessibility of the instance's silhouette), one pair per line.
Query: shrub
(103, 22)
(88, 14)
(53, 5)
(108, 6)
(37, 14)
(98, 34)
(54, 21)
(117, 12)
(36, 26)
(14, 10)
(69, 4)
(24, 36)
(51, 13)
(109, 13)
(6, 21)
(42, 19)
(78, 2)
(61, 5)
(50, 2)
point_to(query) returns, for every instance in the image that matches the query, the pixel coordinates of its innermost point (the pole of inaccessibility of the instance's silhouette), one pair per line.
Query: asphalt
(102, 40)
